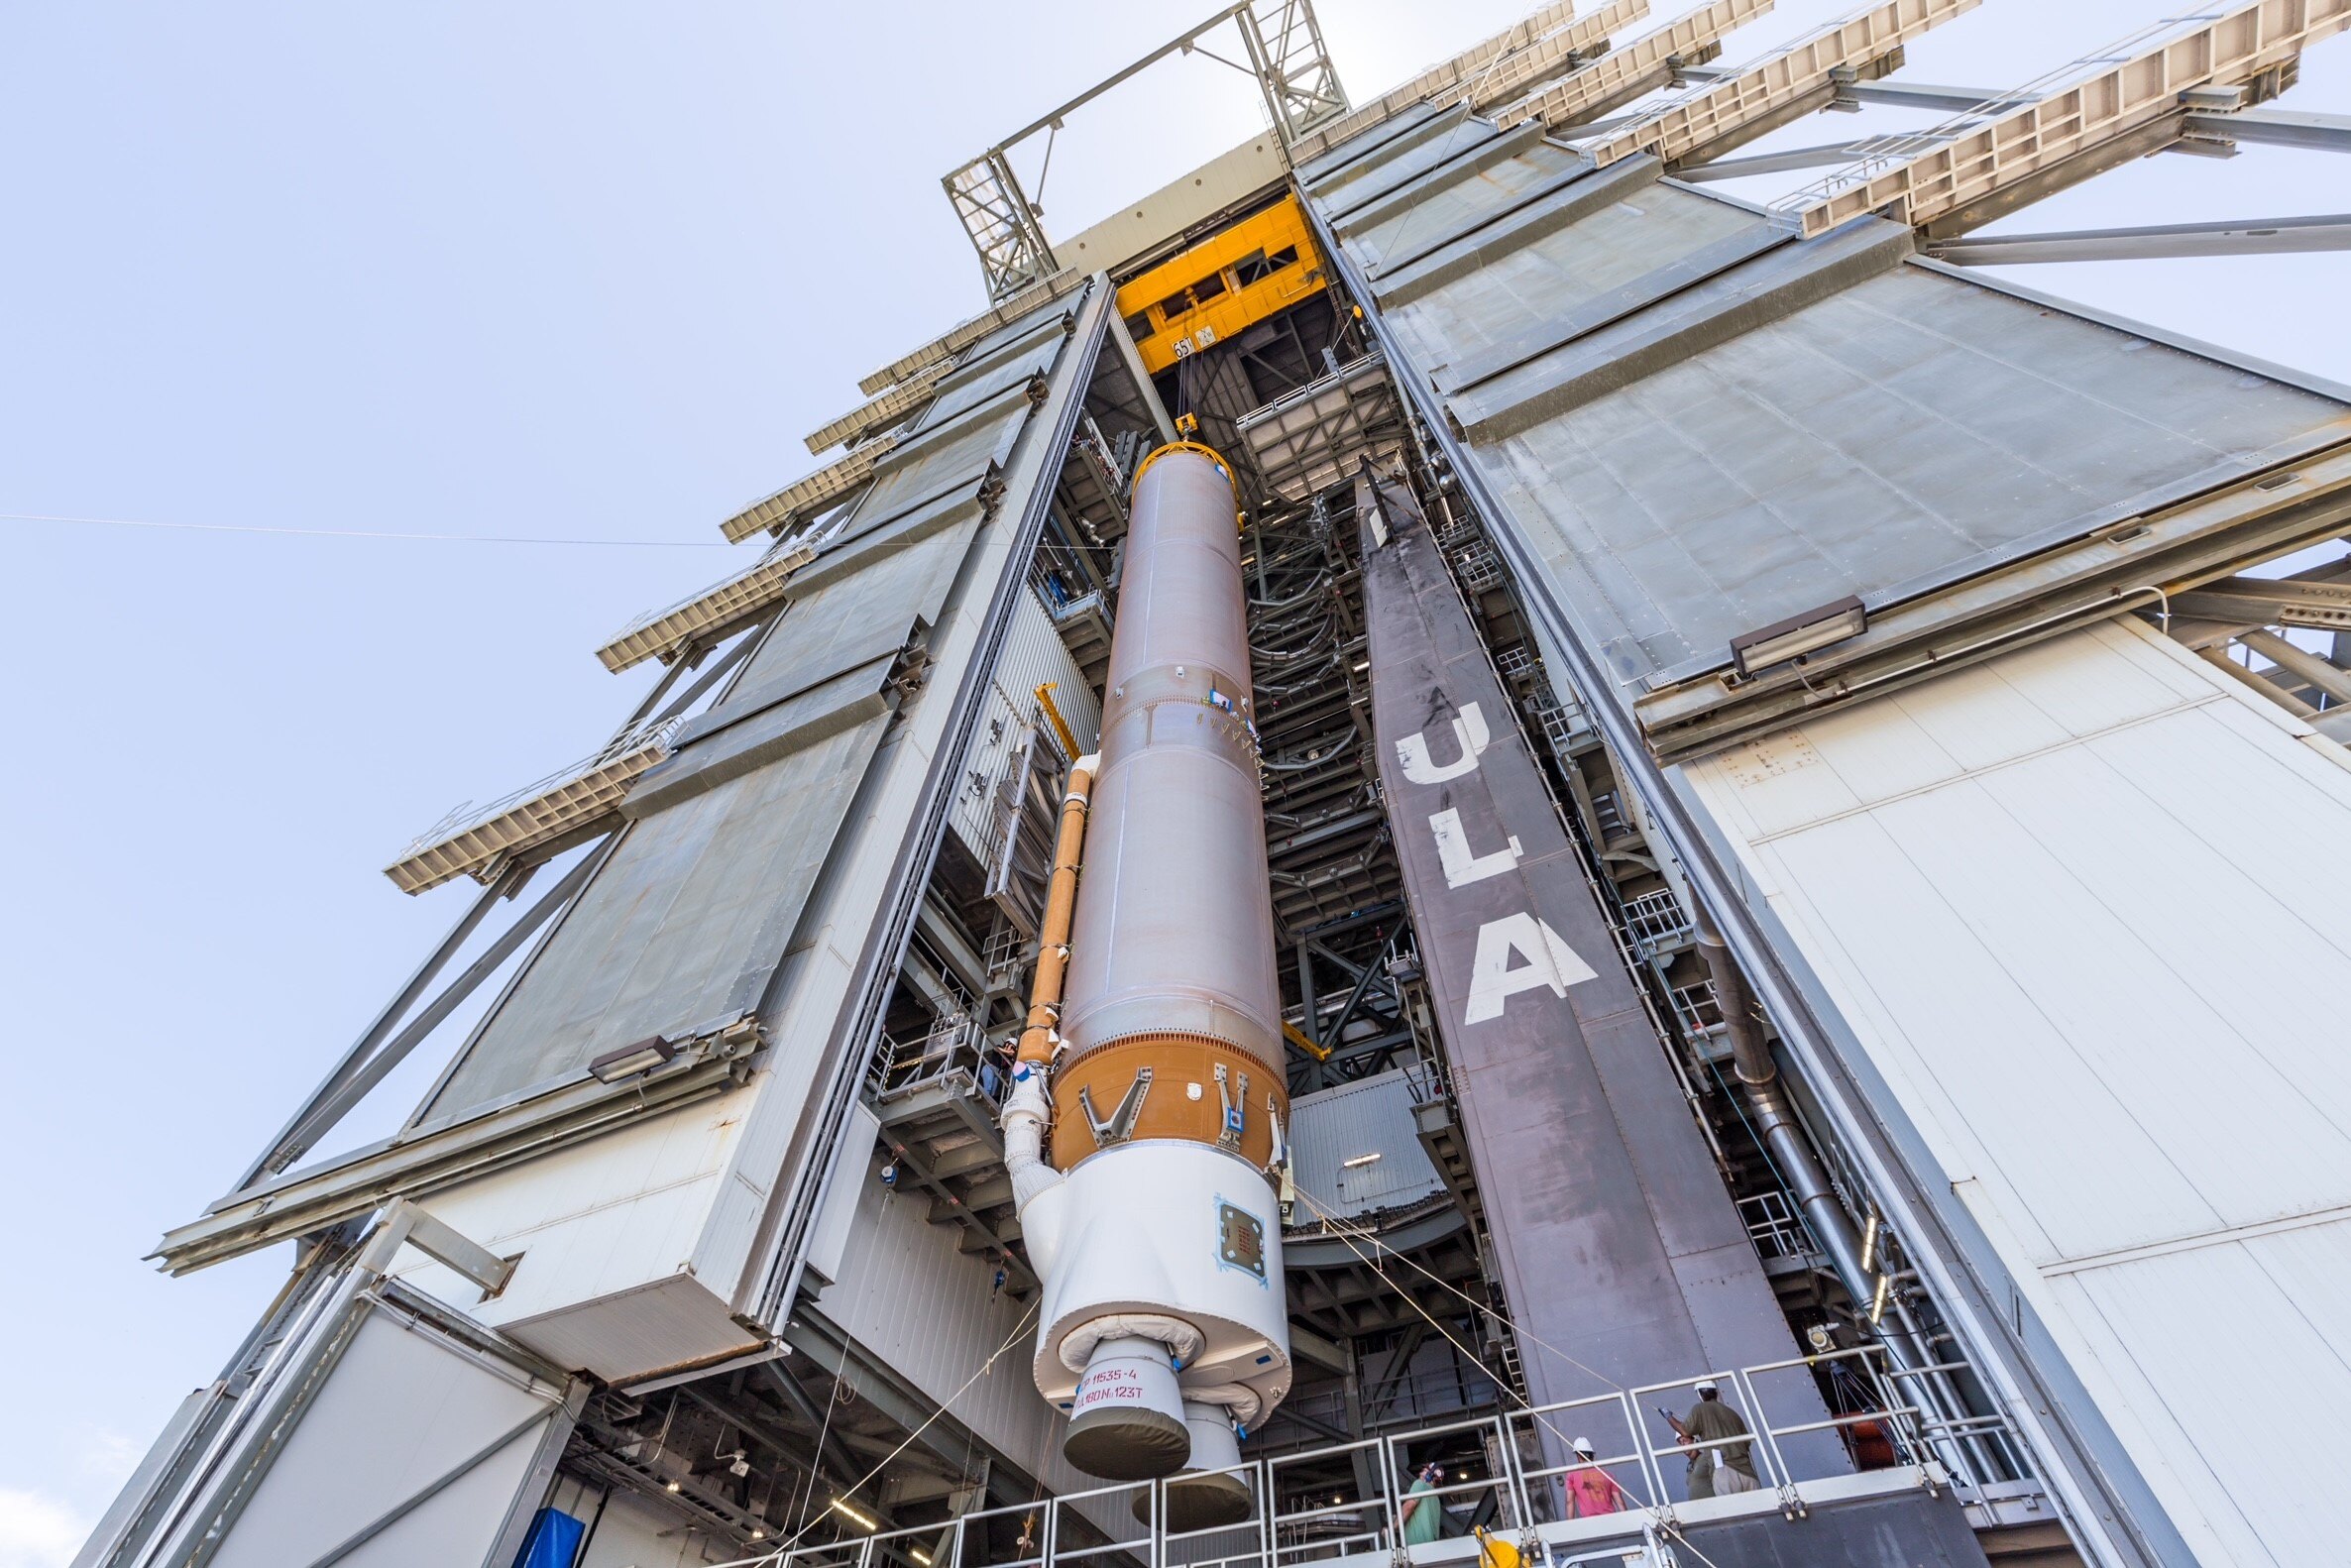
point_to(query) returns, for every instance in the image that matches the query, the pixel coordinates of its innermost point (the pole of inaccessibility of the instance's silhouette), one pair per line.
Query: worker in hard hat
(1423, 1512)
(1592, 1491)
(1728, 1467)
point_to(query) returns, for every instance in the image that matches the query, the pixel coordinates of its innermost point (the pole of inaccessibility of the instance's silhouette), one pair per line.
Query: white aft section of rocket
(1159, 1068)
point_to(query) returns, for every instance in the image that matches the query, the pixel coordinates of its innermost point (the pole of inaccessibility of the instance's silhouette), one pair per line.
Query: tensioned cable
(1018, 1330)
(1343, 1230)
(362, 533)
(817, 1458)
(1345, 1233)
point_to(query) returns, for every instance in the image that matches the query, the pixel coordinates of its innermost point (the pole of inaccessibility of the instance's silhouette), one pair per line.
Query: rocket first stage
(1160, 1070)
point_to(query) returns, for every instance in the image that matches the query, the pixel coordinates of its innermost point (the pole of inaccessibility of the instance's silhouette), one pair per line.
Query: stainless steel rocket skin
(1158, 1239)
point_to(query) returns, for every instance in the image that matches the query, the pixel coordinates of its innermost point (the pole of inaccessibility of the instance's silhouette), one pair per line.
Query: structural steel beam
(826, 486)
(960, 337)
(2145, 91)
(358, 1076)
(2307, 668)
(2250, 237)
(423, 1162)
(1906, 94)
(2322, 133)
(879, 413)
(2323, 606)
(481, 843)
(1791, 80)
(1624, 75)
(1837, 153)
(662, 634)
(1552, 55)
(1439, 84)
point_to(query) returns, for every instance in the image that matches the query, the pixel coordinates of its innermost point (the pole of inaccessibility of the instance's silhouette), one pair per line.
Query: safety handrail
(1061, 1529)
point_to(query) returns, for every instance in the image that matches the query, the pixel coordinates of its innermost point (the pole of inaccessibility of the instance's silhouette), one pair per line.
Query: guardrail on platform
(1508, 1470)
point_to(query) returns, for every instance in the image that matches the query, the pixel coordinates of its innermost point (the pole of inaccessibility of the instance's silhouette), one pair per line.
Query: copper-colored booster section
(1172, 953)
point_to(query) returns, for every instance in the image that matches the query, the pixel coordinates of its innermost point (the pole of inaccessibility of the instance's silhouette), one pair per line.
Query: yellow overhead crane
(1234, 279)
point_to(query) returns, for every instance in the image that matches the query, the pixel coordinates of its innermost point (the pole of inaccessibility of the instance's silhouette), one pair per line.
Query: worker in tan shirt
(1724, 1470)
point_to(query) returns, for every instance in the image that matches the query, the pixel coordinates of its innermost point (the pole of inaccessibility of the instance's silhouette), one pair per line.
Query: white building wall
(932, 1314)
(2086, 908)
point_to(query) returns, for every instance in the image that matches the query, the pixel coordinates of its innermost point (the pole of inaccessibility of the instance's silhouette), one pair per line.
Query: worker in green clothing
(1722, 1471)
(1423, 1512)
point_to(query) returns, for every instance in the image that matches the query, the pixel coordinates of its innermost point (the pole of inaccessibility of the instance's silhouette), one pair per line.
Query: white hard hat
(1705, 1385)
(1583, 1445)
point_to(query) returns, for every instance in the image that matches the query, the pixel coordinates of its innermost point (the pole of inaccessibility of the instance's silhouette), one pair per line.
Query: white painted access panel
(2084, 908)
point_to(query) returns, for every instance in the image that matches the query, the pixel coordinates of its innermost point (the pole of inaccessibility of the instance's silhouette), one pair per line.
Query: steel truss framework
(1283, 46)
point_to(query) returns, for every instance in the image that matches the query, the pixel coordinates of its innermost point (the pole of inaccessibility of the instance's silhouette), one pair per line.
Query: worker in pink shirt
(1592, 1491)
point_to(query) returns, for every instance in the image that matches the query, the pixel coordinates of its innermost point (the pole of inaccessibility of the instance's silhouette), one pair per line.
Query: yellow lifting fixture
(1258, 267)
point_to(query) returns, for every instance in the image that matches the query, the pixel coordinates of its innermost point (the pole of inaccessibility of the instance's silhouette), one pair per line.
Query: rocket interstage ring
(1199, 448)
(1180, 1102)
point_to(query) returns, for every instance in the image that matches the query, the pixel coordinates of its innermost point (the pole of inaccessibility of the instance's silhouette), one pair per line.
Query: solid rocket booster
(1158, 1241)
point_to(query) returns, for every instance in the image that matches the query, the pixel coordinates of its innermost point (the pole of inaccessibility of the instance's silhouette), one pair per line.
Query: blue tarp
(553, 1543)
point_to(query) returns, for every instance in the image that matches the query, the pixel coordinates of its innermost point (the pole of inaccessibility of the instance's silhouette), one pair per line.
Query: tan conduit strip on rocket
(1052, 937)
(1177, 1061)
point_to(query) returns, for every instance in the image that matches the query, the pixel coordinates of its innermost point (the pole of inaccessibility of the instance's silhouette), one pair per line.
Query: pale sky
(536, 271)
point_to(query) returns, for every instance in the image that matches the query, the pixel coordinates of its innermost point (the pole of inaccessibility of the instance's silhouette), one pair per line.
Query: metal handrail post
(1263, 1472)
(1391, 1494)
(1651, 1473)
(1760, 1426)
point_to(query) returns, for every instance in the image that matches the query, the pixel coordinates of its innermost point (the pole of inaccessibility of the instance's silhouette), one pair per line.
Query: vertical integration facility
(1496, 776)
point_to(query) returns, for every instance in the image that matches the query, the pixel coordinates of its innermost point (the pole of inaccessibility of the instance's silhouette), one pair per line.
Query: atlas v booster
(1159, 1070)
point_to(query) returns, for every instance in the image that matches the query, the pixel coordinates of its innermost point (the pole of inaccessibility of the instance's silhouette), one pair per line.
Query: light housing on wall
(1798, 635)
(630, 1060)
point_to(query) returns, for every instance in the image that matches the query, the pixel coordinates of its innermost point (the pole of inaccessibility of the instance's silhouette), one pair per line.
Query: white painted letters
(1469, 733)
(1463, 866)
(1551, 962)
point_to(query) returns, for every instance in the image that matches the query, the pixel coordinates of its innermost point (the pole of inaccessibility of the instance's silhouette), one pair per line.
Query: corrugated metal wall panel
(681, 927)
(1903, 434)
(2081, 906)
(1034, 655)
(1455, 207)
(1524, 288)
(1370, 1118)
(931, 1312)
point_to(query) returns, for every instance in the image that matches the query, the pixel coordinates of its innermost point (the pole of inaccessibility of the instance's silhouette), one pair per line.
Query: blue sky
(552, 272)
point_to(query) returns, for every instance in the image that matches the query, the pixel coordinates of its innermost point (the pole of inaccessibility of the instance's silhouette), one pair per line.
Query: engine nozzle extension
(1127, 1422)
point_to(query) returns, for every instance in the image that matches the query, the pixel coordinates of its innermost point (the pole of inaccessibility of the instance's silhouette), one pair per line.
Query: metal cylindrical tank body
(1157, 1234)
(1171, 961)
